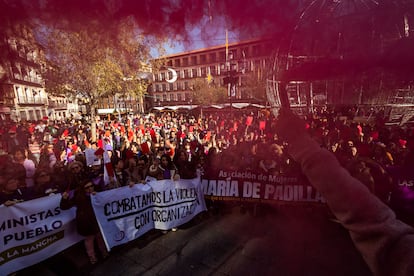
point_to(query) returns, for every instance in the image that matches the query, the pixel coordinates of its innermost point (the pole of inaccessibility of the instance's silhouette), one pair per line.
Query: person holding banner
(164, 170)
(86, 223)
(76, 175)
(187, 169)
(12, 186)
(136, 170)
(44, 184)
(385, 243)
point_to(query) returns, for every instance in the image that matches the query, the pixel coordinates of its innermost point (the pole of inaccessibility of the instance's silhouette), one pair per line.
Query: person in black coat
(86, 222)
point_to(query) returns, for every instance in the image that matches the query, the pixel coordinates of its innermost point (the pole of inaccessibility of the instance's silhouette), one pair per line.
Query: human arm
(30, 167)
(66, 202)
(385, 243)
(52, 160)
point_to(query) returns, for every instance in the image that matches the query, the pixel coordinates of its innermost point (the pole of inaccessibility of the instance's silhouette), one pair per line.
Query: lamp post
(231, 79)
(115, 107)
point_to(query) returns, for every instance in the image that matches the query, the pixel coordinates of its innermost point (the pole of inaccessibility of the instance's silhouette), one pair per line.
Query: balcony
(57, 105)
(31, 101)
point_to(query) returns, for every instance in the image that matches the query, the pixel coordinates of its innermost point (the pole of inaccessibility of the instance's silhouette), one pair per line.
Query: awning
(176, 107)
(240, 105)
(236, 105)
(216, 106)
(258, 105)
(106, 111)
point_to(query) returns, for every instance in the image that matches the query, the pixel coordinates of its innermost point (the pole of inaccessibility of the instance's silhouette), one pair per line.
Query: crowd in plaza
(168, 144)
(174, 145)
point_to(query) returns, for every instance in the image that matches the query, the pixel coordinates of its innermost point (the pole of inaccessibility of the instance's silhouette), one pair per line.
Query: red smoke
(368, 39)
(171, 18)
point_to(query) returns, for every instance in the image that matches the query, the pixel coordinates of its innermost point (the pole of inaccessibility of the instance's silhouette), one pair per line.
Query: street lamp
(231, 79)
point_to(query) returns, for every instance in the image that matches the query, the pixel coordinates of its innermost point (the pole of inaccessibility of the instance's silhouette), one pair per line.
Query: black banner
(259, 187)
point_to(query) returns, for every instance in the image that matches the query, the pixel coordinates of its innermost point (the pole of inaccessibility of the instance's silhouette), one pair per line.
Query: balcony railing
(36, 80)
(35, 100)
(57, 105)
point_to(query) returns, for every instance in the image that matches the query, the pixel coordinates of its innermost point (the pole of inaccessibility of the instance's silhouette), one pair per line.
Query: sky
(207, 32)
(196, 42)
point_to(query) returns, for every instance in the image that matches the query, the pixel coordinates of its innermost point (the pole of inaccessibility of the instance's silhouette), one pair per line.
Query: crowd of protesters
(172, 145)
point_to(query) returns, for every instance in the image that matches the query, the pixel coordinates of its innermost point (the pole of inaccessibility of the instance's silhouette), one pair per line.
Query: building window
(172, 97)
(164, 87)
(169, 63)
(256, 50)
(187, 73)
(185, 61)
(162, 76)
(186, 85)
(231, 55)
(203, 72)
(179, 97)
(222, 56)
(203, 59)
(23, 115)
(213, 70)
(164, 97)
(256, 64)
(171, 86)
(28, 94)
(187, 97)
(194, 60)
(31, 115)
(13, 44)
(169, 73)
(212, 57)
(194, 73)
(177, 62)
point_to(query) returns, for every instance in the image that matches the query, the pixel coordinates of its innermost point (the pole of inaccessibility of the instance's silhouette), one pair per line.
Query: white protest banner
(123, 213)
(33, 231)
(126, 213)
(180, 202)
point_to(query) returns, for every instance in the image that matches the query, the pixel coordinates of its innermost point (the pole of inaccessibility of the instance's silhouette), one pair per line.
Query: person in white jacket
(385, 243)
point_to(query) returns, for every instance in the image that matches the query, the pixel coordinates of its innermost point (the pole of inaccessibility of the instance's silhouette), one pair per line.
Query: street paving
(284, 240)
